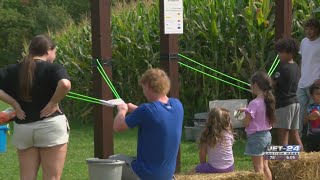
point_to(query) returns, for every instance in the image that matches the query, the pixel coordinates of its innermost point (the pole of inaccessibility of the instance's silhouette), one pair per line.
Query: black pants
(313, 142)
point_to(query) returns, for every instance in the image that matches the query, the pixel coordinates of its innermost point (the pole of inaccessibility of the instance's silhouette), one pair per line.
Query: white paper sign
(173, 17)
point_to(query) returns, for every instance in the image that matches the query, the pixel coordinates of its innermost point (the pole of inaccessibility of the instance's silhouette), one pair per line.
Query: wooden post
(283, 18)
(169, 60)
(101, 50)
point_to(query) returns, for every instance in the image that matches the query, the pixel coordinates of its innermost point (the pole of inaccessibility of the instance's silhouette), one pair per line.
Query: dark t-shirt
(46, 78)
(287, 79)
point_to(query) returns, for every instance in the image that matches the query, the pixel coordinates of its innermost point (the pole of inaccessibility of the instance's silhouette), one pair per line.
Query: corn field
(233, 37)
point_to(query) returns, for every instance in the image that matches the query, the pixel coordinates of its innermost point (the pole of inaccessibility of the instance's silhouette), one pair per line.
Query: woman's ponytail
(26, 78)
(38, 47)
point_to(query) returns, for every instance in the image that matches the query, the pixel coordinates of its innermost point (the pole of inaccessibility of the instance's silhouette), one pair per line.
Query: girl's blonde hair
(218, 121)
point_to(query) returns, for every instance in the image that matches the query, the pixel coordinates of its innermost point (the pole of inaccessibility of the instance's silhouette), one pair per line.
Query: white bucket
(189, 133)
(198, 128)
(100, 169)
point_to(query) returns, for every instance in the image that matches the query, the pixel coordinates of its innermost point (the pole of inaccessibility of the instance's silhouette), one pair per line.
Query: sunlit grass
(3, 106)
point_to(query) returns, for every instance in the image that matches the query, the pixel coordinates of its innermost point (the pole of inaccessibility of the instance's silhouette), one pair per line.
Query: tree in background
(22, 19)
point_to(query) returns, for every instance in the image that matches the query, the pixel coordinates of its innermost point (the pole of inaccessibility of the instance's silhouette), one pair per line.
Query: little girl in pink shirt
(260, 115)
(216, 143)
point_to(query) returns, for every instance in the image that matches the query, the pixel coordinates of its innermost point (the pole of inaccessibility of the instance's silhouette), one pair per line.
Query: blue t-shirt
(159, 136)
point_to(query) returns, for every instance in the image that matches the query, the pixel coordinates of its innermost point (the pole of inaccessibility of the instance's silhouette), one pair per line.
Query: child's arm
(247, 120)
(203, 153)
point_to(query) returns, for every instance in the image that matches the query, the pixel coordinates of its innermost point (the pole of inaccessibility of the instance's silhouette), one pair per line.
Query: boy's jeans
(127, 172)
(304, 100)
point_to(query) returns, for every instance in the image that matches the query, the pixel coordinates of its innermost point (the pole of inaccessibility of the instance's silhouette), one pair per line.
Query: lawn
(81, 148)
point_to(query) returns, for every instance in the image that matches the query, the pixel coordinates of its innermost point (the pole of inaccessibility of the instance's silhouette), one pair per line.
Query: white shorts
(45, 133)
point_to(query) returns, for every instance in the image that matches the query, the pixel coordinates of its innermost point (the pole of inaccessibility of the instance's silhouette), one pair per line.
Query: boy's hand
(314, 115)
(122, 107)
(132, 107)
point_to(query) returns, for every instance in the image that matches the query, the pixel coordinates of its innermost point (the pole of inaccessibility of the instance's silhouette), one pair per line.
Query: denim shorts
(127, 171)
(257, 143)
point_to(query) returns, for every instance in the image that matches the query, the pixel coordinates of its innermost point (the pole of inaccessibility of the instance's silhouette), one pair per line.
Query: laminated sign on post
(173, 17)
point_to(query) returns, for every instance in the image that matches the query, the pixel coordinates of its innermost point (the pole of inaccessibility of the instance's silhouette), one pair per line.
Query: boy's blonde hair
(157, 80)
(219, 120)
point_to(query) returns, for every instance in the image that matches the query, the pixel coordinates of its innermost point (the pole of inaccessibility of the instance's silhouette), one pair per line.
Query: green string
(82, 99)
(213, 77)
(213, 69)
(107, 80)
(273, 65)
(112, 89)
(83, 96)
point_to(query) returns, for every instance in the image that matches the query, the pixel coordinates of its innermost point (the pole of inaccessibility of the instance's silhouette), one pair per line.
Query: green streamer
(112, 88)
(273, 64)
(106, 78)
(214, 77)
(213, 69)
(82, 99)
(274, 68)
(85, 97)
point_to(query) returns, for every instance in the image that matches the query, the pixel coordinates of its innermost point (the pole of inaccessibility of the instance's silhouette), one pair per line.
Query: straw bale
(305, 168)
(237, 175)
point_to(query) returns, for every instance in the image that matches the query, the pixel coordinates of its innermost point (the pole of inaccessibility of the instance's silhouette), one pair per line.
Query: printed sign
(173, 17)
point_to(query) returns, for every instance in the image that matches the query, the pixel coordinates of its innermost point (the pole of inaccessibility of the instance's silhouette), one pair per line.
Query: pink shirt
(221, 156)
(259, 120)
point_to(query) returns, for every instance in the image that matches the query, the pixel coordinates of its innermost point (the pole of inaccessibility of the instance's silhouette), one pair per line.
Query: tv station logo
(286, 152)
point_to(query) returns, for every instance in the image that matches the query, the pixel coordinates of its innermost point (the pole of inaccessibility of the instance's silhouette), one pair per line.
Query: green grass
(81, 147)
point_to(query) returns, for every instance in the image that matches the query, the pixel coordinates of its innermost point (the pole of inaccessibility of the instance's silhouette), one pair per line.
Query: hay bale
(306, 168)
(237, 175)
